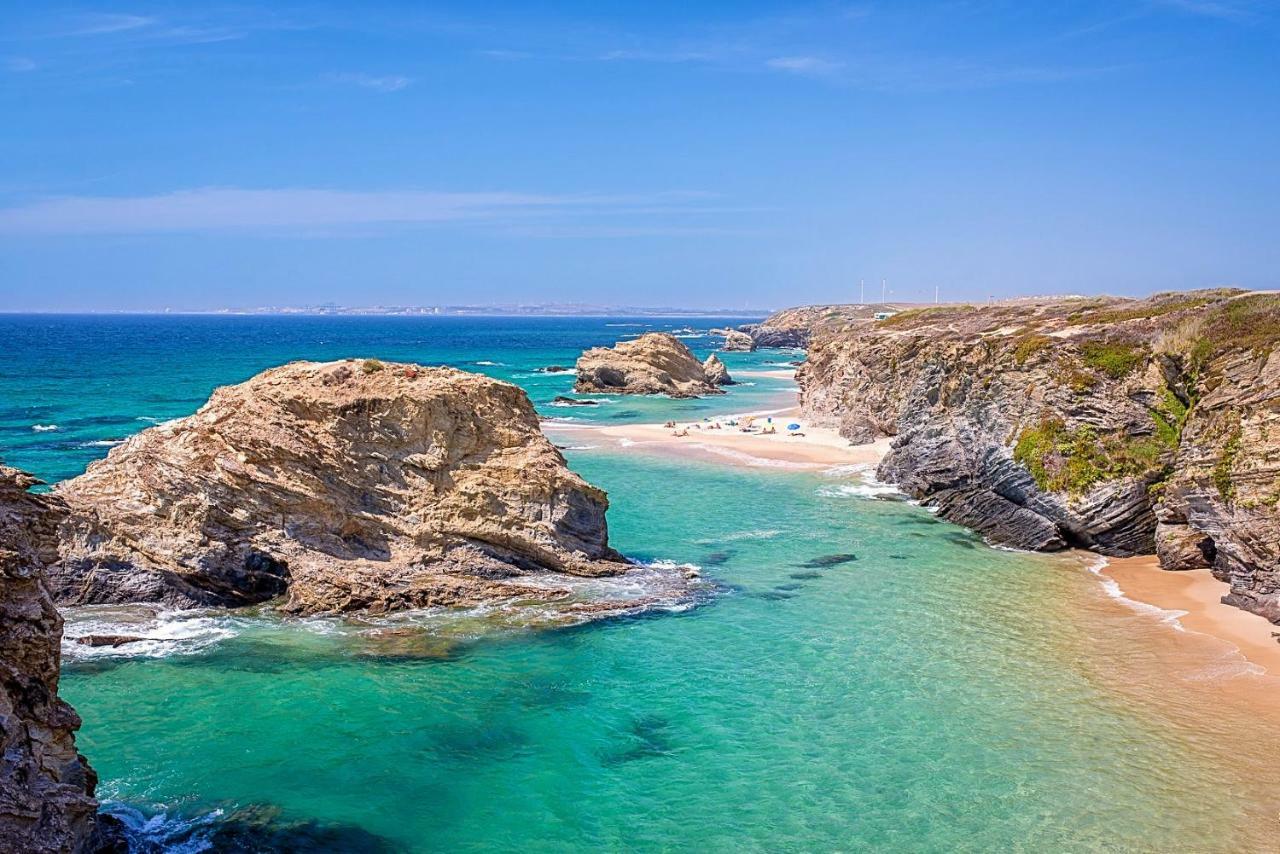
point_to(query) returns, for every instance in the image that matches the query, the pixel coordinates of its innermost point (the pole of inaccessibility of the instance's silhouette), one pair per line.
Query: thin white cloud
(102, 24)
(378, 83)
(228, 209)
(1221, 9)
(809, 65)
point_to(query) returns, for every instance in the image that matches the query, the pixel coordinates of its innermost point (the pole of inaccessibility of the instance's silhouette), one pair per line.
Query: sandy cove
(1197, 595)
(818, 447)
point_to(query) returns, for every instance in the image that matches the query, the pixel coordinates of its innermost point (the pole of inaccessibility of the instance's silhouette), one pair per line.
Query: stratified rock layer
(654, 363)
(1121, 426)
(341, 486)
(46, 787)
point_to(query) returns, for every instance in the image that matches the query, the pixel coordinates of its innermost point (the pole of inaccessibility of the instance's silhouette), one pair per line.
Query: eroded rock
(47, 799)
(338, 488)
(654, 363)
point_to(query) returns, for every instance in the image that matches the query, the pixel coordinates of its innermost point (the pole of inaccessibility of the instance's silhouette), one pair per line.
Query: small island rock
(654, 363)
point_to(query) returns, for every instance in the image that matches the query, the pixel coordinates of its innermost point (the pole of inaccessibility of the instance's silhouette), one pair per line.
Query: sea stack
(654, 363)
(338, 486)
(47, 799)
(735, 340)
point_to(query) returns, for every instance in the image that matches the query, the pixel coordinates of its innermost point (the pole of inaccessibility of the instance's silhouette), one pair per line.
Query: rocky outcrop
(793, 327)
(1121, 426)
(47, 799)
(338, 486)
(654, 363)
(735, 341)
(716, 372)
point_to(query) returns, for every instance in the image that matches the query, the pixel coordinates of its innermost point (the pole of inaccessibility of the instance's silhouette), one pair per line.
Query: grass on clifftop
(1074, 460)
(1249, 323)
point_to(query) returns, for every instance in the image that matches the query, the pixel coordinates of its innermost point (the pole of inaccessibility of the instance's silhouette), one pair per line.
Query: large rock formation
(1122, 426)
(340, 486)
(654, 363)
(716, 372)
(735, 341)
(46, 787)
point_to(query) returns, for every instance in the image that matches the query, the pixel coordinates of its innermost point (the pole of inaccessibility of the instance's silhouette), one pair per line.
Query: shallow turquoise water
(926, 694)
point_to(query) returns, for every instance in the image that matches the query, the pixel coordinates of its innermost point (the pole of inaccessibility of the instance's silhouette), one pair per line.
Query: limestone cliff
(46, 787)
(340, 486)
(654, 363)
(1121, 426)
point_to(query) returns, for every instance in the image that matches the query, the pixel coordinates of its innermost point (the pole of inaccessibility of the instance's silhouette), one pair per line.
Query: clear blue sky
(195, 156)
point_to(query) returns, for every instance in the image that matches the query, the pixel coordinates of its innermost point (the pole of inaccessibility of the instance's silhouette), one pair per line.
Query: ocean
(859, 676)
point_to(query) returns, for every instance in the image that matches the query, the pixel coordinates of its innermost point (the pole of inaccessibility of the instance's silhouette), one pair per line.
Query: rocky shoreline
(1121, 426)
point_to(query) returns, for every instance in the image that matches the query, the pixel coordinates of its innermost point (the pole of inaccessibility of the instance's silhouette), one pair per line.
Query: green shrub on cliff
(1116, 359)
(1029, 345)
(371, 366)
(1074, 460)
(1222, 470)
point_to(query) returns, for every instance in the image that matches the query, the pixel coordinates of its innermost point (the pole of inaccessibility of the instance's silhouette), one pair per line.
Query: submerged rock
(654, 363)
(47, 799)
(108, 640)
(340, 488)
(573, 401)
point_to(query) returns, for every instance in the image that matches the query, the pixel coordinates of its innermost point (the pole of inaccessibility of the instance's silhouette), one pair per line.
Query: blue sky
(745, 154)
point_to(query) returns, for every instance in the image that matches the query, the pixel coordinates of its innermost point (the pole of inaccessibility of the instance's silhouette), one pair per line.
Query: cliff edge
(1116, 425)
(47, 799)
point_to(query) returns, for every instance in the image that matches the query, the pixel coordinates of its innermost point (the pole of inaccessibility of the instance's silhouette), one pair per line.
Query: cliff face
(654, 363)
(342, 486)
(46, 787)
(1122, 426)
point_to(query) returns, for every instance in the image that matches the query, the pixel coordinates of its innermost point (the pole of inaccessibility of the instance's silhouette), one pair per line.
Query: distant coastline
(555, 310)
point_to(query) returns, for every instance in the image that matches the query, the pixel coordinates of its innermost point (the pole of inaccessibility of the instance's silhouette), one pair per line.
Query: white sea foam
(763, 534)
(162, 633)
(488, 364)
(627, 443)
(159, 832)
(1112, 588)
(44, 428)
(752, 460)
(149, 419)
(860, 490)
(580, 447)
(102, 443)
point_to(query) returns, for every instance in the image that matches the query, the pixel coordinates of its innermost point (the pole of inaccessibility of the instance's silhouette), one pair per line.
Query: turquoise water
(857, 675)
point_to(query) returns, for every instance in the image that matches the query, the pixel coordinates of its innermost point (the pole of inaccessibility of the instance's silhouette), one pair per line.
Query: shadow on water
(255, 829)
(828, 560)
(488, 741)
(646, 737)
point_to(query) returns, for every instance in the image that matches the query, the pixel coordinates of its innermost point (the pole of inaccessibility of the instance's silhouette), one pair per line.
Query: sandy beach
(818, 447)
(1197, 594)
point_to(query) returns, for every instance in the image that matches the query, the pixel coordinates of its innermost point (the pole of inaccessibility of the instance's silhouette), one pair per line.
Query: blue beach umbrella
(793, 426)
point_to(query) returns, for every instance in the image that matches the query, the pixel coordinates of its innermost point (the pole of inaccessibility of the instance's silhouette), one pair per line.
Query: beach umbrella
(793, 426)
